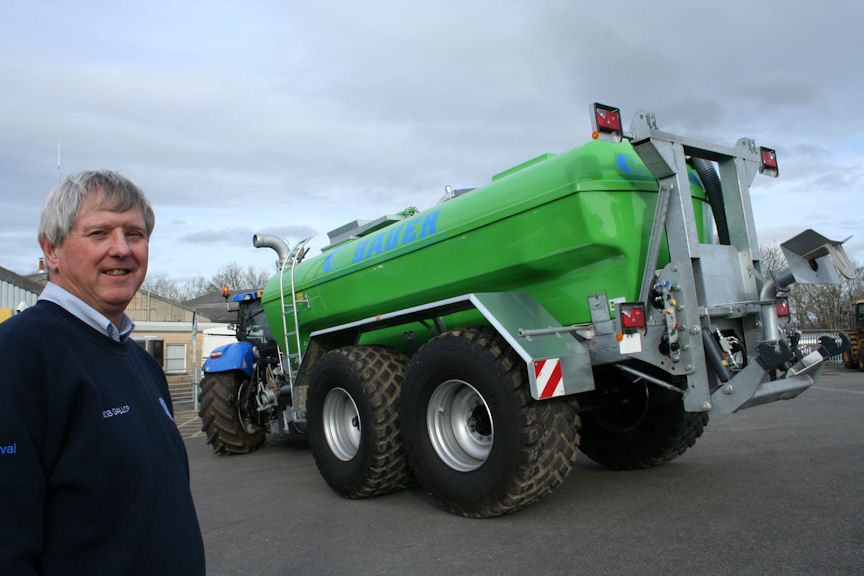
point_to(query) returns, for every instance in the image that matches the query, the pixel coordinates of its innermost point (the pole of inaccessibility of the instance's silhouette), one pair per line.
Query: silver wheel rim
(460, 425)
(341, 424)
(246, 423)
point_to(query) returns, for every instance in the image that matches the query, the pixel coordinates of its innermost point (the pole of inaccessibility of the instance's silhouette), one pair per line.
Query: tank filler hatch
(360, 228)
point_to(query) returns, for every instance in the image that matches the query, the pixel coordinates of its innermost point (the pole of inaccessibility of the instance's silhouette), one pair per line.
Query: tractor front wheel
(850, 361)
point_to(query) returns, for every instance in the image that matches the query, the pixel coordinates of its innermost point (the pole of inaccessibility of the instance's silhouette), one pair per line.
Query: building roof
(20, 281)
(214, 306)
(16, 291)
(144, 307)
(149, 307)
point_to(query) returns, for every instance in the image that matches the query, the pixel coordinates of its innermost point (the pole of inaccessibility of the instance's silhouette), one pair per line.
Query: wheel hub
(460, 425)
(341, 421)
(245, 411)
(628, 405)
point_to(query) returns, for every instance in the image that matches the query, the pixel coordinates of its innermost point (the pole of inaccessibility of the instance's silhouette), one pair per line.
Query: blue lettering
(393, 237)
(429, 224)
(328, 262)
(692, 177)
(410, 232)
(621, 160)
(377, 246)
(10, 449)
(358, 252)
(383, 242)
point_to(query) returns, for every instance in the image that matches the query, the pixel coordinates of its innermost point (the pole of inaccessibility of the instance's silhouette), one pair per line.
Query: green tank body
(466, 348)
(559, 227)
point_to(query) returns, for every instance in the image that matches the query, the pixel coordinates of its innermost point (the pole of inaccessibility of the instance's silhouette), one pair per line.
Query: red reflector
(215, 355)
(769, 158)
(632, 316)
(769, 162)
(608, 118)
(782, 309)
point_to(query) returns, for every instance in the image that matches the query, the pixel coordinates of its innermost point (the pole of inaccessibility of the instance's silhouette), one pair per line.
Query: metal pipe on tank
(275, 242)
(780, 280)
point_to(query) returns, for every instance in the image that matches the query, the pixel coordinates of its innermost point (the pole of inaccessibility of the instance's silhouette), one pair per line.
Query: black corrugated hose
(711, 183)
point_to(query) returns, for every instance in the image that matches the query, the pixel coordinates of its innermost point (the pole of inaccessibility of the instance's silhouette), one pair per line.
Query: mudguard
(234, 356)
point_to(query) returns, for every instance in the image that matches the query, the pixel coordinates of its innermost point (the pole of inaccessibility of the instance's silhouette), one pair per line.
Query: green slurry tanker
(578, 301)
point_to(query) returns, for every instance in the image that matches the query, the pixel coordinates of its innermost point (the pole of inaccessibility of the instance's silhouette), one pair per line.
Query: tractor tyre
(849, 360)
(352, 411)
(226, 420)
(634, 425)
(477, 441)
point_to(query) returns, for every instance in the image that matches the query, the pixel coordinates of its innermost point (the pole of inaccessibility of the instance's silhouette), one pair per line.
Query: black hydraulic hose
(714, 191)
(715, 356)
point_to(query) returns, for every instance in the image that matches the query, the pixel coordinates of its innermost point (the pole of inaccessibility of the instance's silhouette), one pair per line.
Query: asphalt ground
(777, 489)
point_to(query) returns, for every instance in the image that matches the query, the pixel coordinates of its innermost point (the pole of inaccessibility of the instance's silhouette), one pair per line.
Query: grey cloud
(289, 232)
(298, 117)
(780, 89)
(241, 236)
(230, 236)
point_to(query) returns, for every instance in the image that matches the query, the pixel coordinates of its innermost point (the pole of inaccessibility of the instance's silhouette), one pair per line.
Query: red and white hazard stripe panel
(550, 382)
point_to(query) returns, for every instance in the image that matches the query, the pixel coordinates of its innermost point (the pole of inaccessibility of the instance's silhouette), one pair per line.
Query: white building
(16, 293)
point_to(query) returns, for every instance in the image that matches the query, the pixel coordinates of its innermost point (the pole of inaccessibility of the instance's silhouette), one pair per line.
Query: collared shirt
(86, 313)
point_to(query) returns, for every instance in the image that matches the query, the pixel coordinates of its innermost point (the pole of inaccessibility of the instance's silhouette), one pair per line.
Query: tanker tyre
(352, 420)
(646, 426)
(477, 441)
(228, 430)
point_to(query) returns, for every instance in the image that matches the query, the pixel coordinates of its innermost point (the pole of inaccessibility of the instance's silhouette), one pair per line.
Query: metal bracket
(528, 327)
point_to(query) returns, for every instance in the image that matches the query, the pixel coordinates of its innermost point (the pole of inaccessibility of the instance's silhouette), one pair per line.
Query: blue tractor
(238, 393)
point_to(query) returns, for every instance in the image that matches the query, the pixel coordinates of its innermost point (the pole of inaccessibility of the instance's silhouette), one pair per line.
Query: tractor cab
(251, 323)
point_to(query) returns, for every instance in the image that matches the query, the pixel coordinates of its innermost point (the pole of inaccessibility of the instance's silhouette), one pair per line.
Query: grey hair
(115, 193)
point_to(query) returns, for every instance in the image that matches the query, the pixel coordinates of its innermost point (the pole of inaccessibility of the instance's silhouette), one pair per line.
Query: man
(94, 476)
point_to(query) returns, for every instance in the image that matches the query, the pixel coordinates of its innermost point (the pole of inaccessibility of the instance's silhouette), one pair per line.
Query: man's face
(103, 261)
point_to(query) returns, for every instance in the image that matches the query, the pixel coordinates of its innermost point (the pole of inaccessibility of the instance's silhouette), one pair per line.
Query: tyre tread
(219, 418)
(382, 371)
(668, 434)
(549, 434)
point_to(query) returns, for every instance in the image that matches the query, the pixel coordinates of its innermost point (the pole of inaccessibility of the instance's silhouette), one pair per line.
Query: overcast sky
(293, 118)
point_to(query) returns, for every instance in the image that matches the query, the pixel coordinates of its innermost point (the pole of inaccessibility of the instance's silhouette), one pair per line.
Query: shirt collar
(86, 313)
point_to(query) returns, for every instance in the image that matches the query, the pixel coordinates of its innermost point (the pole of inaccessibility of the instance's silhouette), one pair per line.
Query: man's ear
(50, 251)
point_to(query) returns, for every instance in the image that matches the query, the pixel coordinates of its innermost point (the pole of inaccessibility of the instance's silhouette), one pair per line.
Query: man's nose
(119, 243)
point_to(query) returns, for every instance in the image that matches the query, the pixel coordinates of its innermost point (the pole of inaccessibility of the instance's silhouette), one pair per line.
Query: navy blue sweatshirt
(94, 477)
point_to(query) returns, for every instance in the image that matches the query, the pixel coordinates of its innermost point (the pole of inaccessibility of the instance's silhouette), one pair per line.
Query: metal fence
(182, 389)
(810, 341)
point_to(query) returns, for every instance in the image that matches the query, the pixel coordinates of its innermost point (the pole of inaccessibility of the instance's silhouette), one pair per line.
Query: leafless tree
(817, 306)
(161, 285)
(234, 276)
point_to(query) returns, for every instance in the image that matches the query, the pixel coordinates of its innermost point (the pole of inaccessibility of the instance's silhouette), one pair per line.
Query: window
(175, 357)
(154, 346)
